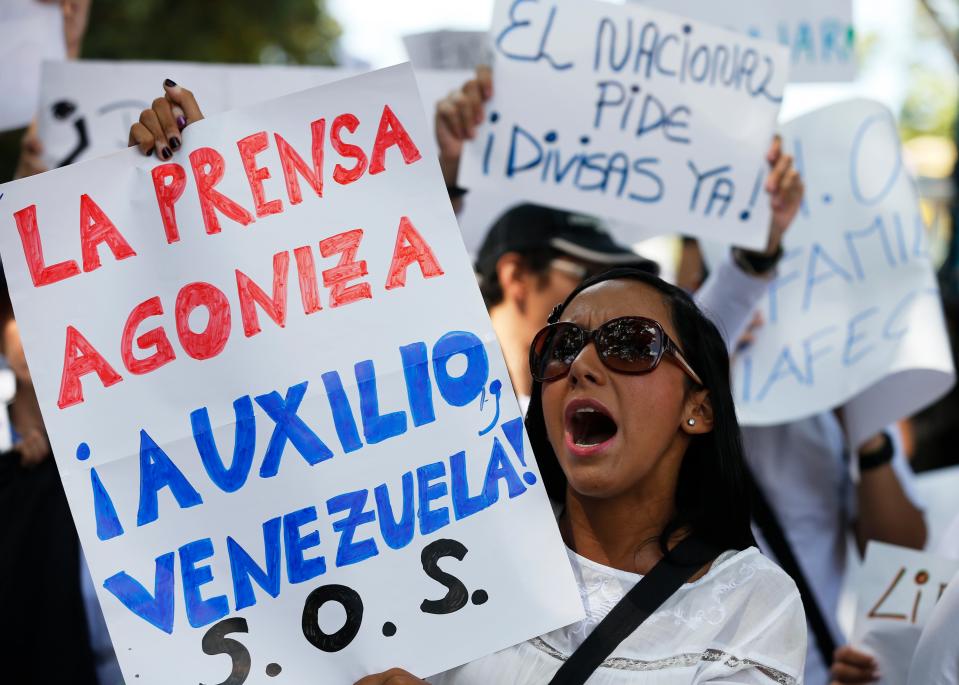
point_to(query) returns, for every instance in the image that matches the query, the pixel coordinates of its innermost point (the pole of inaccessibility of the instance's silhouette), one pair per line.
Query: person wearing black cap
(532, 257)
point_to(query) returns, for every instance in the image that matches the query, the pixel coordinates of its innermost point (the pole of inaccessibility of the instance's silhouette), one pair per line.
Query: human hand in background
(457, 116)
(394, 676)
(852, 666)
(31, 154)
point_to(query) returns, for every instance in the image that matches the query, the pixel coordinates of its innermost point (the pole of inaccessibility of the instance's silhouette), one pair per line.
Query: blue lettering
(419, 389)
(396, 534)
(784, 367)
(541, 53)
(298, 568)
(376, 427)
(156, 609)
(501, 468)
(892, 139)
(156, 473)
(431, 520)
(343, 419)
(244, 441)
(347, 551)
(244, 569)
(108, 523)
(290, 427)
(853, 337)
(813, 278)
(460, 391)
(812, 355)
(199, 611)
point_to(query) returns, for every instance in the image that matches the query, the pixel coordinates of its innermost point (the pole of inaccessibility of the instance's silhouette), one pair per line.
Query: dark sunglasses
(629, 344)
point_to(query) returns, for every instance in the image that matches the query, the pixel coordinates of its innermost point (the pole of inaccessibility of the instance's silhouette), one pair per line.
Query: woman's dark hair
(712, 499)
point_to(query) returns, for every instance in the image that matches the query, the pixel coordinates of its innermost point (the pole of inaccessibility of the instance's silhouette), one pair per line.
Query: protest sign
(632, 114)
(896, 592)
(818, 33)
(281, 416)
(853, 317)
(30, 32)
(87, 107)
(447, 49)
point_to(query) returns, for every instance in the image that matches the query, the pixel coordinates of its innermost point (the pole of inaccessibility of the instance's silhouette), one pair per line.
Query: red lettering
(96, 228)
(79, 359)
(155, 338)
(390, 133)
(250, 147)
(29, 232)
(346, 244)
(292, 163)
(169, 181)
(208, 169)
(410, 247)
(211, 341)
(251, 293)
(341, 174)
(306, 268)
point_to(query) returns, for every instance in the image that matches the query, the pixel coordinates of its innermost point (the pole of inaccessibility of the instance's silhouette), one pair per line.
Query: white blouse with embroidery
(741, 623)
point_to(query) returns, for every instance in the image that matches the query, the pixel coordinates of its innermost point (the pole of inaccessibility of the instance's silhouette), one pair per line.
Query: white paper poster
(447, 49)
(279, 411)
(631, 114)
(897, 590)
(88, 106)
(853, 317)
(30, 32)
(818, 33)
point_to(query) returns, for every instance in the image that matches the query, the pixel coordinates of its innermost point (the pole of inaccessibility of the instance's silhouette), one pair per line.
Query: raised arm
(457, 116)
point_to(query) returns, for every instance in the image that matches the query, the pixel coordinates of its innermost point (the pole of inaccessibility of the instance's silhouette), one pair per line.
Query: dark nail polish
(166, 153)
(169, 83)
(175, 143)
(149, 152)
(181, 122)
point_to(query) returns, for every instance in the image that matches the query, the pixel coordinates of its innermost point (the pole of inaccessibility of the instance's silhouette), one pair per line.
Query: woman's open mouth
(589, 427)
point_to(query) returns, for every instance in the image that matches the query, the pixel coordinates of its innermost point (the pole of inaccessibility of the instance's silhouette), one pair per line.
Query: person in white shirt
(803, 469)
(633, 427)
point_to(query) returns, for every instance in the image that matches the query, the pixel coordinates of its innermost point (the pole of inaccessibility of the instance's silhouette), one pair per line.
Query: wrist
(757, 263)
(876, 452)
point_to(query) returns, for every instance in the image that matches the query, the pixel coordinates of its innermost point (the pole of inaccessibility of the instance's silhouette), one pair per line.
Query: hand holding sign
(160, 126)
(457, 116)
(852, 666)
(394, 676)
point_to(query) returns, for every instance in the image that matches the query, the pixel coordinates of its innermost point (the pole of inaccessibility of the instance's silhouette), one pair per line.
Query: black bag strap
(772, 531)
(667, 576)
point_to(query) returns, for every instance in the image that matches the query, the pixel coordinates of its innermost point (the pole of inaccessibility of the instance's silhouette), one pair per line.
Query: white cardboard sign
(896, 592)
(853, 317)
(30, 32)
(87, 107)
(275, 399)
(818, 33)
(631, 114)
(447, 49)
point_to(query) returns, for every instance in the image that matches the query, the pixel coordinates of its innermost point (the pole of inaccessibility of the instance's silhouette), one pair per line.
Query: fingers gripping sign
(457, 117)
(394, 676)
(785, 188)
(159, 128)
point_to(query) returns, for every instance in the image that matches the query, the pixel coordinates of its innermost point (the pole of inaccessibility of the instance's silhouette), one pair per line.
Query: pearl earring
(691, 422)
